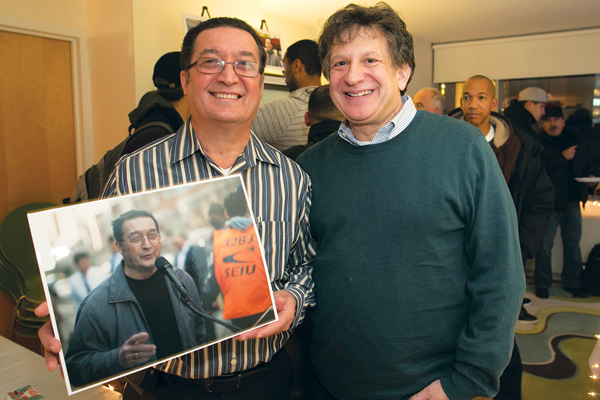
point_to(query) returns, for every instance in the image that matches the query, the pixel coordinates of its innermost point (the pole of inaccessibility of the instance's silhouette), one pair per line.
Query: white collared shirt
(389, 130)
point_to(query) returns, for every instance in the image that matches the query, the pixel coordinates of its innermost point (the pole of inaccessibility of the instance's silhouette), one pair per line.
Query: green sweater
(418, 271)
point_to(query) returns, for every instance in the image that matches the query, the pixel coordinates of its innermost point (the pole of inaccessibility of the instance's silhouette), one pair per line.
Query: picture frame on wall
(273, 45)
(164, 236)
(190, 21)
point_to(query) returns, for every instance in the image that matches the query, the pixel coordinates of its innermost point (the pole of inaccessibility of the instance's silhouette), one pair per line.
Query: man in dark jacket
(135, 317)
(528, 110)
(322, 117)
(163, 109)
(519, 158)
(566, 156)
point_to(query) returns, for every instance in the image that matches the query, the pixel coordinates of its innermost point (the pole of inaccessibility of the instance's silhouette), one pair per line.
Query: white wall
(423, 66)
(158, 29)
(553, 54)
(66, 13)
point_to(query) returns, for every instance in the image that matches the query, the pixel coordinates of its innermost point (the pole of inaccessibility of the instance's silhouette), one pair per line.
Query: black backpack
(590, 277)
(90, 184)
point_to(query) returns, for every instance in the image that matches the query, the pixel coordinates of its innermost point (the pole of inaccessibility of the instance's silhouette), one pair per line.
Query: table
(21, 367)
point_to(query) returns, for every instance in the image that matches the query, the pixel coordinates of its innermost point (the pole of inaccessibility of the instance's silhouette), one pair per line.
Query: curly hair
(346, 22)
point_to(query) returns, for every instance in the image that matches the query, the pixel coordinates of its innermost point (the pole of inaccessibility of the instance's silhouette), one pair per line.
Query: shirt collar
(185, 144)
(389, 130)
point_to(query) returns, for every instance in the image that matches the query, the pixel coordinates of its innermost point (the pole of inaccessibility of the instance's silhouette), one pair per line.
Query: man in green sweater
(418, 265)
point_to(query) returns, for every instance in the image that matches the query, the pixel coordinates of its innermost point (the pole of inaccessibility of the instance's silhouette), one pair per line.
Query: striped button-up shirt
(389, 130)
(280, 196)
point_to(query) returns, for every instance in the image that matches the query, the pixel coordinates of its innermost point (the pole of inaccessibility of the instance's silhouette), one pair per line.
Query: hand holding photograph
(138, 280)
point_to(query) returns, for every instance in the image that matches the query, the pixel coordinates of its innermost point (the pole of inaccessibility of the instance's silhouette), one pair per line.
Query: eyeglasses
(138, 240)
(208, 65)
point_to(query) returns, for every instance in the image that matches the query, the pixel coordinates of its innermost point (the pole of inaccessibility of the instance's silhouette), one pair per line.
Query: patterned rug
(560, 352)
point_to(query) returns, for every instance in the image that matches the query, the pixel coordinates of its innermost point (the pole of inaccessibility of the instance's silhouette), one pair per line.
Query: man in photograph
(418, 267)
(272, 56)
(238, 267)
(135, 317)
(86, 279)
(223, 62)
(191, 258)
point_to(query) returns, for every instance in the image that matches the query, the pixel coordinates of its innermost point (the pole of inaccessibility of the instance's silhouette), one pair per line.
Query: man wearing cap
(429, 99)
(566, 157)
(162, 111)
(528, 110)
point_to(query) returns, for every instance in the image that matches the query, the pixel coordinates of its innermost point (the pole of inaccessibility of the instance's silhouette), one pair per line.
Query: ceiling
(441, 21)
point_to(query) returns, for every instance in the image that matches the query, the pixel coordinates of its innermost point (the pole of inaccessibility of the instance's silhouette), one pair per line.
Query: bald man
(429, 99)
(519, 157)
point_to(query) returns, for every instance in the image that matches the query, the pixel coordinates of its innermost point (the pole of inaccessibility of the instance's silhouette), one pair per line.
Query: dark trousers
(319, 391)
(510, 381)
(298, 348)
(570, 228)
(276, 385)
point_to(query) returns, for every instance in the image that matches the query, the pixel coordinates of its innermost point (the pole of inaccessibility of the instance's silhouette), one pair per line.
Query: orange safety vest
(240, 272)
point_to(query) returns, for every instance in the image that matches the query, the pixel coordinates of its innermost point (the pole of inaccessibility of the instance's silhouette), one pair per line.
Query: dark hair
(307, 51)
(523, 102)
(235, 204)
(79, 256)
(187, 47)
(582, 117)
(320, 106)
(346, 22)
(117, 224)
(171, 94)
(216, 209)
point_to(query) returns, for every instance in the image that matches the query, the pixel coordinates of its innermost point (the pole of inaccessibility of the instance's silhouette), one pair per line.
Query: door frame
(82, 101)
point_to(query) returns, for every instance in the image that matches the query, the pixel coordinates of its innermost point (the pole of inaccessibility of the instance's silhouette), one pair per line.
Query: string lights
(594, 377)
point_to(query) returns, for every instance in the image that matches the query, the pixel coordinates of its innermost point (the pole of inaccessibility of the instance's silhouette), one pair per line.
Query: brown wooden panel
(37, 136)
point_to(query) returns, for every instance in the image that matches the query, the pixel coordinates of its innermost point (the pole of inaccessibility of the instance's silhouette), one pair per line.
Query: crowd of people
(395, 247)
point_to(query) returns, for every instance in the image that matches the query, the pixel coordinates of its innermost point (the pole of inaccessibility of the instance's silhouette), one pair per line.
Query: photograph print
(137, 280)
(272, 44)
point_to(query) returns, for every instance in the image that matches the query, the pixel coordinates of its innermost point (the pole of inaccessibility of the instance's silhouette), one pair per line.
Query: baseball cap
(166, 71)
(533, 94)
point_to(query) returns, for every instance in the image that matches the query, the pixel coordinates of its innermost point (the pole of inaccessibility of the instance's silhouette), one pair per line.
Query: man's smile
(360, 94)
(232, 96)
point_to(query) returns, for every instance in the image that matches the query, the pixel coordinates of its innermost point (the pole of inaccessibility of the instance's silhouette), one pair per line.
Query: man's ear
(306, 119)
(119, 248)
(403, 74)
(184, 81)
(297, 66)
(494, 104)
(262, 85)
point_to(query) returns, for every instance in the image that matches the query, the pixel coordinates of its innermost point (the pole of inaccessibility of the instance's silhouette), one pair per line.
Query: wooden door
(37, 134)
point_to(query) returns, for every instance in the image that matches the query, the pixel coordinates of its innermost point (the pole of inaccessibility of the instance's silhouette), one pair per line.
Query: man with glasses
(136, 316)
(223, 62)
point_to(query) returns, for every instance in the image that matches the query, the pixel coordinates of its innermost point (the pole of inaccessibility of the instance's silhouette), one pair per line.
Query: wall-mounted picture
(272, 43)
(190, 21)
(137, 280)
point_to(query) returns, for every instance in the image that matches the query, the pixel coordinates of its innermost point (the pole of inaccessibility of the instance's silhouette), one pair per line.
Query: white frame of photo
(48, 248)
